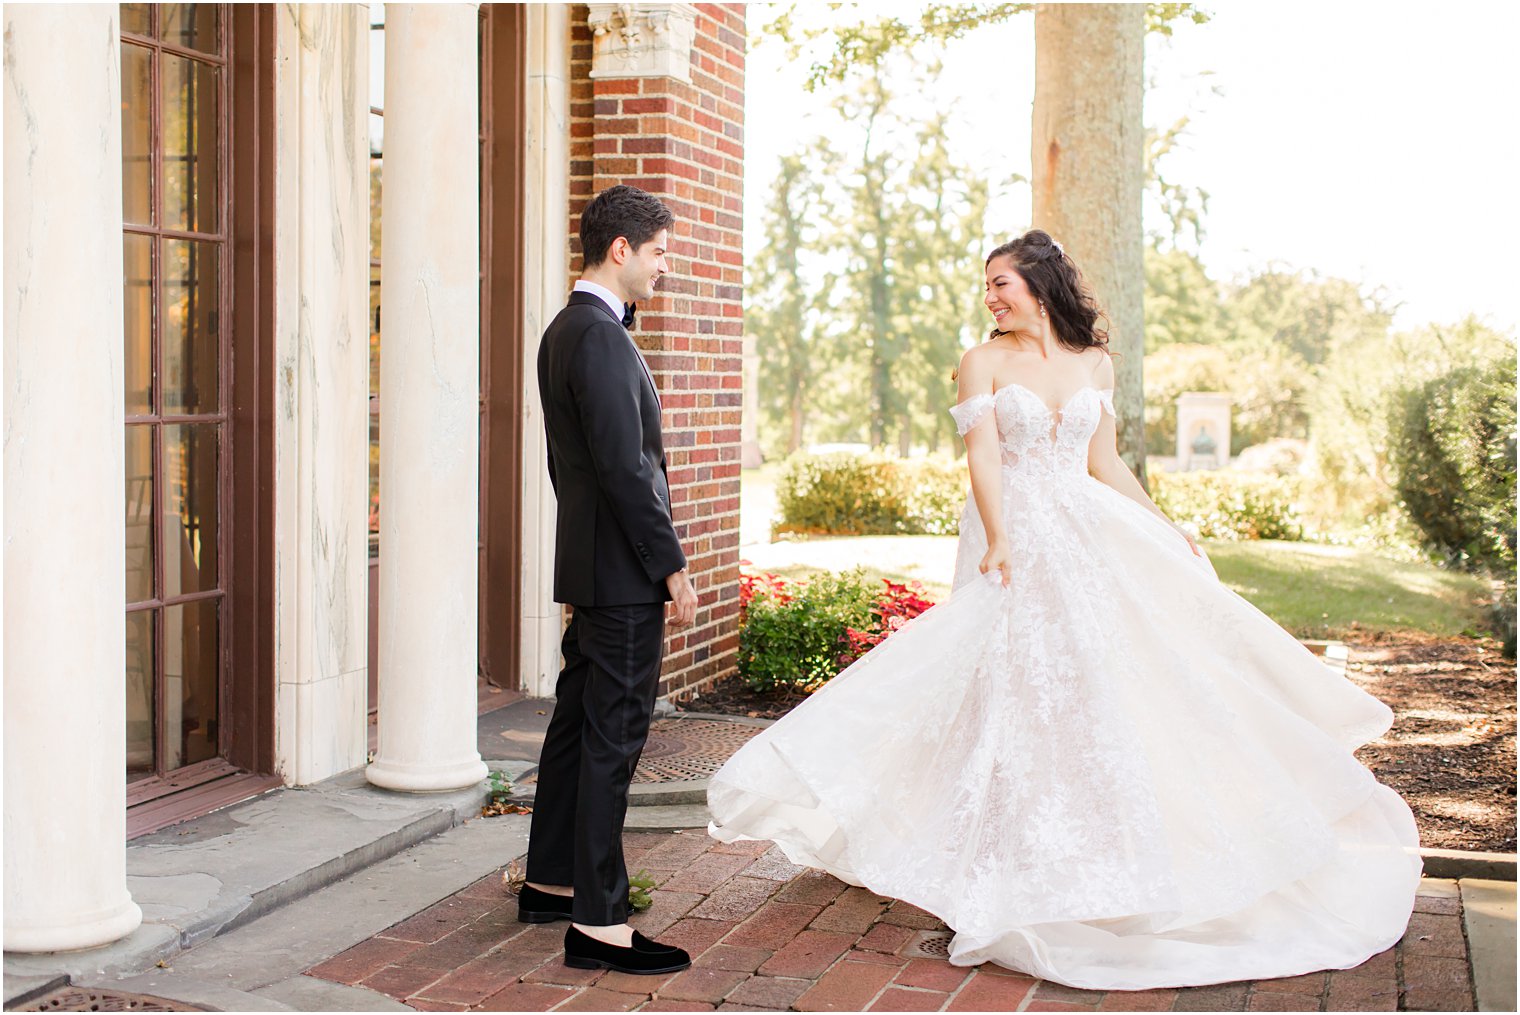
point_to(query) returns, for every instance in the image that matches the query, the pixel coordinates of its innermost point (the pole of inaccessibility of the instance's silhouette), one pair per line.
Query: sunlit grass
(1318, 591)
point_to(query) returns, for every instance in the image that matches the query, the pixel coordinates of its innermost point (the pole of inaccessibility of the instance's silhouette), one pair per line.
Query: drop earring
(1042, 308)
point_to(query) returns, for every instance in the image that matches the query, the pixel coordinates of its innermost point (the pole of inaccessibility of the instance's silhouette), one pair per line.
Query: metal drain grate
(79, 999)
(931, 944)
(681, 749)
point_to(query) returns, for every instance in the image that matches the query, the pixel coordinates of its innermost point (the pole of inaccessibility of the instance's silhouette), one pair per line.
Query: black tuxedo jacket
(615, 541)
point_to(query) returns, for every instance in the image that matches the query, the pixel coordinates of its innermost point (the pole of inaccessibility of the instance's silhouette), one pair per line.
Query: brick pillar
(677, 130)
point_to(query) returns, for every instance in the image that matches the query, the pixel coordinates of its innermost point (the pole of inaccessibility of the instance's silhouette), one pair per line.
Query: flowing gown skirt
(1115, 773)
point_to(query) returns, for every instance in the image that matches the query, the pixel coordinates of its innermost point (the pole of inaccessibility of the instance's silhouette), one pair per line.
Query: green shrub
(869, 495)
(794, 633)
(936, 494)
(1230, 505)
(1452, 451)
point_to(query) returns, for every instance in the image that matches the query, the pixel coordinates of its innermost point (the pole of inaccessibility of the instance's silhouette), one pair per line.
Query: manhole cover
(80, 999)
(681, 749)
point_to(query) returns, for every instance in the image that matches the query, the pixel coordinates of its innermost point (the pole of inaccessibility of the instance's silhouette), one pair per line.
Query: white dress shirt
(606, 295)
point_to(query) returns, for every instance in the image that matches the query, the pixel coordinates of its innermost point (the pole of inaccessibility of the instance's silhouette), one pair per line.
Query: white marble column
(546, 282)
(321, 207)
(65, 506)
(429, 400)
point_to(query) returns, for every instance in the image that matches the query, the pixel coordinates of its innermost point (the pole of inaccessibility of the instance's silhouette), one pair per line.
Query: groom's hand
(683, 599)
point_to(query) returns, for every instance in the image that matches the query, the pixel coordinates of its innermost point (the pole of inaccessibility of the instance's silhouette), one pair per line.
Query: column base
(412, 778)
(90, 931)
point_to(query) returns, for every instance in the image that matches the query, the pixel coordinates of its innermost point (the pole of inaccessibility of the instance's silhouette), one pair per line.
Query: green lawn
(1314, 591)
(1318, 591)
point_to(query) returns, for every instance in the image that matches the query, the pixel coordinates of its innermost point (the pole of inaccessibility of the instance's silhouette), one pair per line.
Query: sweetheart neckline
(1061, 411)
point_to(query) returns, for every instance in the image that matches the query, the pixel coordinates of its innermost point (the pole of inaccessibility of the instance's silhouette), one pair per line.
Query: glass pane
(139, 513)
(189, 144)
(374, 330)
(377, 56)
(136, 134)
(134, 18)
(190, 25)
(139, 694)
(137, 301)
(190, 508)
(374, 472)
(375, 182)
(190, 683)
(191, 344)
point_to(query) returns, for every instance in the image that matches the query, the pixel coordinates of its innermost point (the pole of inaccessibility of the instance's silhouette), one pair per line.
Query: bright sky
(1372, 142)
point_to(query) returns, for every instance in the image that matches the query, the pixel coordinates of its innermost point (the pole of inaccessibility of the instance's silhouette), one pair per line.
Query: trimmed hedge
(870, 495)
(1452, 448)
(1230, 505)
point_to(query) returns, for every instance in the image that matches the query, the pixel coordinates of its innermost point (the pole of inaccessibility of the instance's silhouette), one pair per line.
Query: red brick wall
(685, 144)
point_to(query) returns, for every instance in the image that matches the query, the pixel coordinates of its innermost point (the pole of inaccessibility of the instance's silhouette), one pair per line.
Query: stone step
(666, 819)
(210, 875)
(688, 792)
(1461, 863)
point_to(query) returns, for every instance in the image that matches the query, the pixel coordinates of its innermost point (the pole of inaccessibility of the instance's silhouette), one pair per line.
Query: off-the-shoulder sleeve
(1106, 397)
(971, 412)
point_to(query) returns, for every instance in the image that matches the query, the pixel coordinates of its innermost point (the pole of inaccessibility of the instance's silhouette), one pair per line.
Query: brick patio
(766, 935)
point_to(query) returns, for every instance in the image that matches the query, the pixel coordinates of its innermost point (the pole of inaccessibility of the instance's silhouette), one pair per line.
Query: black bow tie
(628, 309)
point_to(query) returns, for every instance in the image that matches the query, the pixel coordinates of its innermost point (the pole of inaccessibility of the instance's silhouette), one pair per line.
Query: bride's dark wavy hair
(1054, 279)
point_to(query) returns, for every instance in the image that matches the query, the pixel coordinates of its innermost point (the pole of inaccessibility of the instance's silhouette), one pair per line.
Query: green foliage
(639, 887)
(1452, 452)
(865, 45)
(1183, 306)
(1304, 313)
(1229, 505)
(795, 639)
(1267, 390)
(860, 495)
(501, 787)
(1184, 206)
(863, 297)
(1351, 403)
(781, 316)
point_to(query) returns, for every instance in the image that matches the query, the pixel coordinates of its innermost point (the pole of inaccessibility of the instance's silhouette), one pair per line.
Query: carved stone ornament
(642, 40)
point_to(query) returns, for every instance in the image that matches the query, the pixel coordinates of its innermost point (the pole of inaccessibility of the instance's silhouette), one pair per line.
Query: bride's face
(1008, 298)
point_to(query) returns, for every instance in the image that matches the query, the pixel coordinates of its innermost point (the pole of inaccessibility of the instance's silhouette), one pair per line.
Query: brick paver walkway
(766, 935)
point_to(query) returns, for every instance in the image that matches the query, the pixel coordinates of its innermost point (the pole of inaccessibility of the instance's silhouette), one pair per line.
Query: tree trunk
(797, 411)
(1089, 173)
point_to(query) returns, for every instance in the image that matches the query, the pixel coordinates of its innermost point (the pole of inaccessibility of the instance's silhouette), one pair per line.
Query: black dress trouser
(604, 703)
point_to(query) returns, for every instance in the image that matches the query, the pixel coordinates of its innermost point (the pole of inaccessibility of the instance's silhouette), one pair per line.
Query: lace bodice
(1036, 440)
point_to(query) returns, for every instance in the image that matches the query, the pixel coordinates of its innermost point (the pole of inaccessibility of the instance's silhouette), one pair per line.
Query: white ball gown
(1116, 773)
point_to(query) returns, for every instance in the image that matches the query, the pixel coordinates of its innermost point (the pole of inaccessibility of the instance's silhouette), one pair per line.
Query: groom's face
(644, 266)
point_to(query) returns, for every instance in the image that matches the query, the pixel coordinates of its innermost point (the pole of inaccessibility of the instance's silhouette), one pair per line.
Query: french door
(194, 313)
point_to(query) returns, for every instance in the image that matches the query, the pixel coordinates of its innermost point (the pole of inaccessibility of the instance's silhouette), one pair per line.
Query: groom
(617, 561)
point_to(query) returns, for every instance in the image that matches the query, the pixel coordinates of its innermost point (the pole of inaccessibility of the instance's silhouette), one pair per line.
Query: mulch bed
(1450, 753)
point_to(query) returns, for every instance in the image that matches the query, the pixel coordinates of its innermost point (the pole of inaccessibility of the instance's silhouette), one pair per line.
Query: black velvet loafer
(534, 906)
(585, 952)
(643, 944)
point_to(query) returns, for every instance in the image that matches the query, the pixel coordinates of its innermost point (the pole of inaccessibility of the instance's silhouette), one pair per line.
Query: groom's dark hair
(620, 211)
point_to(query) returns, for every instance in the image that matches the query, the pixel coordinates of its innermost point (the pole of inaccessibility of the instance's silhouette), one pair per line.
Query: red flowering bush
(800, 633)
(895, 606)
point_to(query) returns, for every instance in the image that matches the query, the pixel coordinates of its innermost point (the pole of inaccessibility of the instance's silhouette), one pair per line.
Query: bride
(1096, 763)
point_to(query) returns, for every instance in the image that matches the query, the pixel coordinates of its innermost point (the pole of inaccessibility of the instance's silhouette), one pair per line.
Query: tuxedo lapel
(592, 300)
